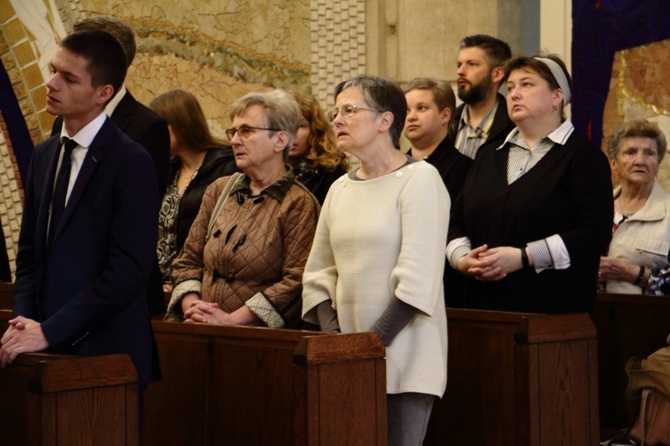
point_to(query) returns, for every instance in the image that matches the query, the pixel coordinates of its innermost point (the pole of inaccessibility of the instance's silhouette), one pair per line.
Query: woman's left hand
(503, 259)
(617, 268)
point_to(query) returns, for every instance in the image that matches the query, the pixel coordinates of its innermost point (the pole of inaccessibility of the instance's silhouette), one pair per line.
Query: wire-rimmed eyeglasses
(348, 111)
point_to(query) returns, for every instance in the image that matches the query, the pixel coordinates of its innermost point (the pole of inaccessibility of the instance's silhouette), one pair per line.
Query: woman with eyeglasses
(534, 214)
(378, 254)
(314, 157)
(197, 159)
(244, 256)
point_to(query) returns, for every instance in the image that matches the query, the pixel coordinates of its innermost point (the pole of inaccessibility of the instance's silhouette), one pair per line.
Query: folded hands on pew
(23, 336)
(490, 264)
(197, 311)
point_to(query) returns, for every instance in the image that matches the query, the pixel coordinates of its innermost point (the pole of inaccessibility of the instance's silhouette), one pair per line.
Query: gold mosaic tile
(6, 10)
(20, 90)
(33, 76)
(46, 122)
(14, 74)
(24, 53)
(4, 46)
(8, 60)
(39, 96)
(14, 31)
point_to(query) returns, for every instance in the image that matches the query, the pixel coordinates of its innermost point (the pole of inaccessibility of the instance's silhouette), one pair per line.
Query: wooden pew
(61, 400)
(244, 385)
(518, 379)
(628, 325)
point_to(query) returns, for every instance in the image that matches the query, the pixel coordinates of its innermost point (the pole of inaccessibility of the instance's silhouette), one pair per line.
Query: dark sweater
(567, 193)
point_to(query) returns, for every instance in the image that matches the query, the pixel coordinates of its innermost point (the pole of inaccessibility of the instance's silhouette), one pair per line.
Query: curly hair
(322, 149)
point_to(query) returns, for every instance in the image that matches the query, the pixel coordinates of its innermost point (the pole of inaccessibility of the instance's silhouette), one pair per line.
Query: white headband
(560, 77)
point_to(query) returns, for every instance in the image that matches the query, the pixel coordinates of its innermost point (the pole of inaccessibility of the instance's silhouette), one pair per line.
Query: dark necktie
(60, 189)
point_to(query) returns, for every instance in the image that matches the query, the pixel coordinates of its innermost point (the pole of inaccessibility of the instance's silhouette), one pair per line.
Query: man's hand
(23, 336)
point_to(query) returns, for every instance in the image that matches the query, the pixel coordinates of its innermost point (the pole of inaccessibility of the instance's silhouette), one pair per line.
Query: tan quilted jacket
(256, 252)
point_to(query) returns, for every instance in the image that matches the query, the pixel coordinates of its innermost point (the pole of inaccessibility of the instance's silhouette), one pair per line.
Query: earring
(555, 107)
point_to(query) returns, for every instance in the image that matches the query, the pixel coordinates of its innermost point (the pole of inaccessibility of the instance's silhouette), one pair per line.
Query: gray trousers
(408, 415)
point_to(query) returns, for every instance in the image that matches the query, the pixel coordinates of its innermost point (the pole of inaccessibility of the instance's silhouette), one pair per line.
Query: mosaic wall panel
(638, 90)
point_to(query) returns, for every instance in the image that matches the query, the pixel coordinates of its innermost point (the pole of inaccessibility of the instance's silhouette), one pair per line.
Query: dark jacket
(499, 130)
(144, 126)
(217, 163)
(89, 290)
(453, 167)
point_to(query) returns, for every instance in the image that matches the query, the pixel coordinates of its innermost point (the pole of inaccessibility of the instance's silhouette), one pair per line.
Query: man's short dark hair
(497, 52)
(106, 58)
(120, 30)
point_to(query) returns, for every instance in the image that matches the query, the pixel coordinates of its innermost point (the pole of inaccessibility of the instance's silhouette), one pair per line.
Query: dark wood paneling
(68, 401)
(517, 379)
(628, 326)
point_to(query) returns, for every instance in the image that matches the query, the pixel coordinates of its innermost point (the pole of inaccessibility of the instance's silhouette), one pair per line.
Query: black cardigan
(567, 193)
(217, 163)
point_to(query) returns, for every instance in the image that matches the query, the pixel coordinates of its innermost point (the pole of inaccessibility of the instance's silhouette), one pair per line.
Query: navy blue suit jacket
(148, 129)
(89, 290)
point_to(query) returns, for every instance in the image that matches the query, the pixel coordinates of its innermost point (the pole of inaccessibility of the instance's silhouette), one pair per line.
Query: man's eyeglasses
(348, 111)
(245, 131)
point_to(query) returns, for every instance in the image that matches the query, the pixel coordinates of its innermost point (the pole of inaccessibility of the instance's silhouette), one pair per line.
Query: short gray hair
(639, 128)
(281, 111)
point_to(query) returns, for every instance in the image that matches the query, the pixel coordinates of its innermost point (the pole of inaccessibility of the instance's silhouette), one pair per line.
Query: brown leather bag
(647, 396)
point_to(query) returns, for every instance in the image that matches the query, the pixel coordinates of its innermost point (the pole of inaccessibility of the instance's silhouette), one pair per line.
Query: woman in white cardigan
(641, 227)
(377, 259)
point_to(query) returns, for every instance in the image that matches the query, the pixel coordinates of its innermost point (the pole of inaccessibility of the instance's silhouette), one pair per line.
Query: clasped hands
(198, 312)
(617, 268)
(23, 336)
(490, 264)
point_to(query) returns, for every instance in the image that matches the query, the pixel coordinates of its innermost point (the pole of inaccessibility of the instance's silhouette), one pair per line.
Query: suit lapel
(42, 223)
(94, 156)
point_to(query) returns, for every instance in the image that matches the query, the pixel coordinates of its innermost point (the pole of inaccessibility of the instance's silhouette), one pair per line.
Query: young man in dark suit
(87, 242)
(137, 121)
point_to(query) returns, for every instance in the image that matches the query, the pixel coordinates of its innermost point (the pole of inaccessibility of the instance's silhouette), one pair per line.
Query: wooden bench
(243, 385)
(482, 345)
(517, 379)
(61, 400)
(628, 325)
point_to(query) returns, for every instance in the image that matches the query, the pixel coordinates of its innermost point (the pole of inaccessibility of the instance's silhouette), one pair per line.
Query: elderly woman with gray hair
(244, 256)
(534, 215)
(641, 226)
